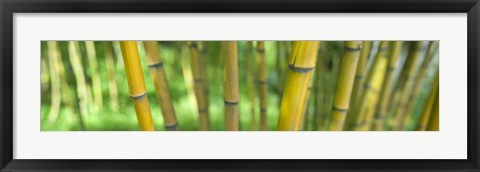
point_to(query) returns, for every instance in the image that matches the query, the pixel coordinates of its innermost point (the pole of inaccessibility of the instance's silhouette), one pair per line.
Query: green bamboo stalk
(112, 81)
(385, 94)
(231, 86)
(155, 65)
(262, 83)
(53, 67)
(96, 80)
(345, 84)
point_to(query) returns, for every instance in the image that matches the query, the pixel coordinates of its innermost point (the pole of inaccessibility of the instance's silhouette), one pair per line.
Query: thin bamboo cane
(305, 114)
(301, 63)
(371, 89)
(251, 84)
(427, 110)
(199, 84)
(432, 48)
(112, 82)
(262, 83)
(96, 80)
(385, 94)
(74, 57)
(320, 71)
(411, 69)
(155, 64)
(204, 72)
(359, 81)
(231, 86)
(345, 84)
(188, 78)
(44, 76)
(136, 84)
(53, 67)
(433, 124)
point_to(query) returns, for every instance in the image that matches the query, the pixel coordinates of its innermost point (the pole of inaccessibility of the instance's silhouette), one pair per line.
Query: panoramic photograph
(254, 85)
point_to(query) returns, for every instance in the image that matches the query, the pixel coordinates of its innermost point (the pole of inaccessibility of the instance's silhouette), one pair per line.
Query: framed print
(232, 85)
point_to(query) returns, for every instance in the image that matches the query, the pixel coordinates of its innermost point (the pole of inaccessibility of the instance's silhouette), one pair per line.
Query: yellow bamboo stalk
(363, 111)
(199, 84)
(188, 78)
(155, 65)
(74, 57)
(301, 64)
(359, 81)
(385, 94)
(231, 86)
(433, 124)
(262, 84)
(411, 69)
(432, 47)
(112, 82)
(251, 84)
(427, 110)
(53, 67)
(96, 80)
(303, 125)
(204, 73)
(136, 84)
(345, 84)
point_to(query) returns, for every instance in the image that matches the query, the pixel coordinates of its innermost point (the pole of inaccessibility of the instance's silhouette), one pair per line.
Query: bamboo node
(345, 48)
(138, 97)
(171, 127)
(156, 65)
(340, 109)
(230, 102)
(293, 68)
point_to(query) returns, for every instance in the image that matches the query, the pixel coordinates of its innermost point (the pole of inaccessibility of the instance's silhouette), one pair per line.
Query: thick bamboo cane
(411, 69)
(419, 80)
(53, 57)
(301, 63)
(112, 82)
(262, 84)
(434, 123)
(199, 84)
(345, 84)
(359, 81)
(371, 89)
(155, 64)
(136, 84)
(96, 80)
(385, 94)
(427, 110)
(231, 86)
(74, 57)
(251, 84)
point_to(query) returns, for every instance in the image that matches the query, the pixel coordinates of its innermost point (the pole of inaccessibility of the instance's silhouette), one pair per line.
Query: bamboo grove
(240, 85)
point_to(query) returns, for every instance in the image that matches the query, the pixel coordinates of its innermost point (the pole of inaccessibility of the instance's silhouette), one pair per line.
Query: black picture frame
(9, 7)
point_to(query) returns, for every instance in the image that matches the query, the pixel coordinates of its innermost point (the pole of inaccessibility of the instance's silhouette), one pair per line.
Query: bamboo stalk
(204, 73)
(411, 69)
(318, 87)
(385, 94)
(112, 82)
(432, 47)
(251, 84)
(55, 81)
(301, 63)
(345, 84)
(359, 81)
(74, 57)
(96, 80)
(427, 110)
(155, 65)
(136, 84)
(231, 86)
(433, 124)
(262, 83)
(364, 111)
(199, 84)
